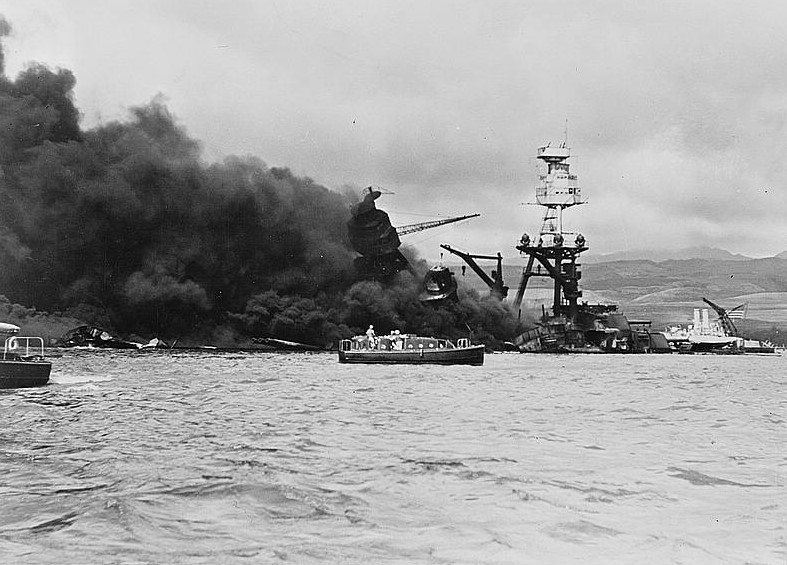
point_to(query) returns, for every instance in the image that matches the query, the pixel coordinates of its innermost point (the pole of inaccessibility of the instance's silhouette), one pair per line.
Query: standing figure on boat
(371, 337)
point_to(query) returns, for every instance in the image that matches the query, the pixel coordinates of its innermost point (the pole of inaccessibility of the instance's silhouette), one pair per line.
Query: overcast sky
(676, 112)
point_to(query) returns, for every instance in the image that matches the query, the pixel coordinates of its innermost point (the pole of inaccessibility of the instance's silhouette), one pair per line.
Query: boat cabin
(399, 342)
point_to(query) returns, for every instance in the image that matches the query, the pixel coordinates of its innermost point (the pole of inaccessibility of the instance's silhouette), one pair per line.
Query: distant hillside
(658, 255)
(673, 281)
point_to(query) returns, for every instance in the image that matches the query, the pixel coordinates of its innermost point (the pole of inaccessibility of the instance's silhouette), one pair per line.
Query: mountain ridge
(658, 255)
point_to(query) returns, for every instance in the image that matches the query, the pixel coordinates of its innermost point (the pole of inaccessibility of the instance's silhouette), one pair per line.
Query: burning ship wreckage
(571, 326)
(377, 242)
(579, 327)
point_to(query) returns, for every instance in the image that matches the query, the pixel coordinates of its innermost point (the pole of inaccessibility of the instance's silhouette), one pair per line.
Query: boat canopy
(6, 328)
(400, 342)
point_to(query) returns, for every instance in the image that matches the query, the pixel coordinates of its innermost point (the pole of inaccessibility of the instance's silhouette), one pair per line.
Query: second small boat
(22, 364)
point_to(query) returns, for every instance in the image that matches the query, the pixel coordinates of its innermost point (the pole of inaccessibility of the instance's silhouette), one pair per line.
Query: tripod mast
(557, 191)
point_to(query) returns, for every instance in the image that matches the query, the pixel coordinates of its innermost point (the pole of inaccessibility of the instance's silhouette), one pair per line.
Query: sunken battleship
(571, 325)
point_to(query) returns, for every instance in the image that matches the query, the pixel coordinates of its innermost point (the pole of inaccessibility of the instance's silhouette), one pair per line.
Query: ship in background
(571, 325)
(719, 336)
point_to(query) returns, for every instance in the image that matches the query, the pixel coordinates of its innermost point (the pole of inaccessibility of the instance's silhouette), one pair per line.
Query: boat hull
(473, 355)
(24, 374)
(711, 343)
(757, 346)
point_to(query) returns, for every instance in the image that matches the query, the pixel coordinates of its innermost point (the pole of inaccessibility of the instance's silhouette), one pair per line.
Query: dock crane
(495, 282)
(724, 317)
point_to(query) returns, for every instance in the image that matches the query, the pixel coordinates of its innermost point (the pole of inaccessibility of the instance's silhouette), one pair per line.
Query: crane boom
(495, 282)
(412, 228)
(726, 323)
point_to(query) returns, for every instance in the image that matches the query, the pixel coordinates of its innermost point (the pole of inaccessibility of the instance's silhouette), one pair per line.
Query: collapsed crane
(495, 282)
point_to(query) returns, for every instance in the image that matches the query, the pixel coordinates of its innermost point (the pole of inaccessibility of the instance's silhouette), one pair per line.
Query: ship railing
(23, 347)
(345, 345)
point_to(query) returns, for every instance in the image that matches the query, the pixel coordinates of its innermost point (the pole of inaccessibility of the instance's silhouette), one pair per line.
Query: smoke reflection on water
(227, 458)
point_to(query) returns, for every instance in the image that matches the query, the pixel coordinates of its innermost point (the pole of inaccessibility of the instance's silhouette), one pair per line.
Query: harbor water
(224, 458)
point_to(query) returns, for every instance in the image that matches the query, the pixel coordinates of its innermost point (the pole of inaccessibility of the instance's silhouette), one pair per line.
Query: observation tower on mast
(572, 327)
(555, 250)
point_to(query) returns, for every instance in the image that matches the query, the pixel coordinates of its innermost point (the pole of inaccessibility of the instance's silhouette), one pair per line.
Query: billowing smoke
(124, 226)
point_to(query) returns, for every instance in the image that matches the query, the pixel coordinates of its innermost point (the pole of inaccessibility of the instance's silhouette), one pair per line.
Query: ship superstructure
(377, 241)
(553, 248)
(572, 326)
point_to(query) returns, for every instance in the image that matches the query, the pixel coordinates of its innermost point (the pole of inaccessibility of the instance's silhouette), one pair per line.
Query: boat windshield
(23, 347)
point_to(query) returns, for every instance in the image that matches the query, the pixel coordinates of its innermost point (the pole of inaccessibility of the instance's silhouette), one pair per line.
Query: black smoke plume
(124, 225)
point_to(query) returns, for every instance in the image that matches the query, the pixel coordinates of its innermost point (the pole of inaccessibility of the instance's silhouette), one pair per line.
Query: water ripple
(210, 457)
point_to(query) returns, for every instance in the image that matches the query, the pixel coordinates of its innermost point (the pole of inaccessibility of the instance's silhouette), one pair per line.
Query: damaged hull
(592, 332)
